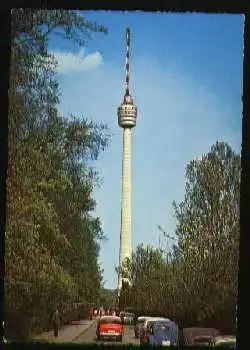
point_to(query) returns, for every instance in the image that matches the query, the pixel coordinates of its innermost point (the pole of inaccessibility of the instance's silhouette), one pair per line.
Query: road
(89, 336)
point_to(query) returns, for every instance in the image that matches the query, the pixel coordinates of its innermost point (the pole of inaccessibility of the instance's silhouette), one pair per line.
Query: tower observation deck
(127, 114)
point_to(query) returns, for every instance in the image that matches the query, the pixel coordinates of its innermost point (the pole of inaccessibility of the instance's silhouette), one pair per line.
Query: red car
(109, 327)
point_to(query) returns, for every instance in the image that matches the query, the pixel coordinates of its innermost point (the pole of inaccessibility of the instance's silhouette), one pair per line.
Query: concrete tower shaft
(127, 114)
(125, 233)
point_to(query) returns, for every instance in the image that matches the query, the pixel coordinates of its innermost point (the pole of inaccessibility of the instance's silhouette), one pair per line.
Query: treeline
(195, 282)
(108, 298)
(52, 239)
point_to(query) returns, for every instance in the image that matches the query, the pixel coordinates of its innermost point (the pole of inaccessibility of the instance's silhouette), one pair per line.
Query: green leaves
(207, 225)
(52, 241)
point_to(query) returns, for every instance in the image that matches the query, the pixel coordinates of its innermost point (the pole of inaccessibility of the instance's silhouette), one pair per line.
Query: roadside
(66, 333)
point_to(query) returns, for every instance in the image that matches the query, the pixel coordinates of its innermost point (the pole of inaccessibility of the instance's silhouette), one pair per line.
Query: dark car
(127, 317)
(198, 336)
(145, 333)
(164, 333)
(139, 325)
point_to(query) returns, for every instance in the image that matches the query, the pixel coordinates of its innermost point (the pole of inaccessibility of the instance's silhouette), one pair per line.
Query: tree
(146, 269)
(49, 180)
(108, 298)
(208, 230)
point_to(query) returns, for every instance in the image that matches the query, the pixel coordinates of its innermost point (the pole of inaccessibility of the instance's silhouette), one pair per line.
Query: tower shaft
(125, 233)
(127, 115)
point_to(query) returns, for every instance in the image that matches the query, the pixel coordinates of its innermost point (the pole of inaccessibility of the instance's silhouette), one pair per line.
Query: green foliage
(208, 229)
(195, 283)
(52, 240)
(108, 298)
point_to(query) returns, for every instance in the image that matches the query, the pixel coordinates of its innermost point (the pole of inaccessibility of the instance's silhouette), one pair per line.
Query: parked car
(146, 328)
(127, 317)
(164, 333)
(110, 327)
(145, 333)
(198, 336)
(228, 341)
(138, 325)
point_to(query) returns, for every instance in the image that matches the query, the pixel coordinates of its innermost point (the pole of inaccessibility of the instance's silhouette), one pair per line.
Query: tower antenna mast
(127, 91)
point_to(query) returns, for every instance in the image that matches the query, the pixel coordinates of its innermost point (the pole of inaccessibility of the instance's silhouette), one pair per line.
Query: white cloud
(68, 62)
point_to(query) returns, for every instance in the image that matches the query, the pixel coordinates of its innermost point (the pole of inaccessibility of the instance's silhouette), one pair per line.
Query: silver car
(127, 317)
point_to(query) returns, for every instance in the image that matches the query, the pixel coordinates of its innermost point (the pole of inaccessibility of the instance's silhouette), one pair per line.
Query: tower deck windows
(127, 114)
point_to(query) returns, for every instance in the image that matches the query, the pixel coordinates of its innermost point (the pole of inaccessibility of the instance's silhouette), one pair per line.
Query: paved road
(89, 336)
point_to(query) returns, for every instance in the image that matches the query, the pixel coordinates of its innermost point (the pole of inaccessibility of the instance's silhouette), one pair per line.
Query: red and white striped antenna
(127, 78)
(127, 110)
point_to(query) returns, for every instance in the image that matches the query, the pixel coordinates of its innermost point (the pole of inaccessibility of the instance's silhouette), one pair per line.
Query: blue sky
(187, 83)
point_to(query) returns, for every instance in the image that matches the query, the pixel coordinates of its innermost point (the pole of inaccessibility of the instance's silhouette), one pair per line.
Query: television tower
(127, 113)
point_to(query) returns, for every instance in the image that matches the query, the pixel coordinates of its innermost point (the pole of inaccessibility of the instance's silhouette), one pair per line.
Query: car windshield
(151, 322)
(141, 321)
(110, 321)
(162, 328)
(202, 340)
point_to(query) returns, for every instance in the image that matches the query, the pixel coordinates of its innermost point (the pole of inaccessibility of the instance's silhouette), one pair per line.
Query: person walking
(90, 314)
(56, 322)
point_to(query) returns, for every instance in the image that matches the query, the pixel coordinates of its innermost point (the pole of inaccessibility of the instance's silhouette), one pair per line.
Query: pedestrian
(90, 314)
(56, 321)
